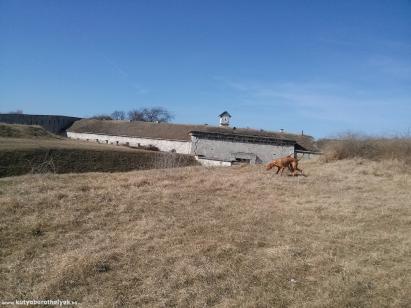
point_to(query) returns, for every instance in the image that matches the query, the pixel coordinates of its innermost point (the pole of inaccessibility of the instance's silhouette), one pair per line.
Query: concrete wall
(52, 123)
(182, 147)
(230, 151)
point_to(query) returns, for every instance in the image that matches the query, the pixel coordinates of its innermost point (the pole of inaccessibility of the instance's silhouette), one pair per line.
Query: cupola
(225, 119)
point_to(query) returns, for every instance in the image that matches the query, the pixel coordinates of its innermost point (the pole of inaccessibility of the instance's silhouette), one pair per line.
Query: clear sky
(324, 67)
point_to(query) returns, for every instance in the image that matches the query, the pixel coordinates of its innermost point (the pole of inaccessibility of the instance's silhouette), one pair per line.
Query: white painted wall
(183, 147)
(226, 150)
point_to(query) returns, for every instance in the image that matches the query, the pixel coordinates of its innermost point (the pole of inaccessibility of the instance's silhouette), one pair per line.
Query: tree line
(145, 114)
(18, 111)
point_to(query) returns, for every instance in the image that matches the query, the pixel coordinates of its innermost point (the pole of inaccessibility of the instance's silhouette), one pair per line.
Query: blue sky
(324, 67)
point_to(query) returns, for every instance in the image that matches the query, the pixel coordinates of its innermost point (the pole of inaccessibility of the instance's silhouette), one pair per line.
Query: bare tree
(118, 115)
(101, 117)
(153, 114)
(18, 111)
(135, 115)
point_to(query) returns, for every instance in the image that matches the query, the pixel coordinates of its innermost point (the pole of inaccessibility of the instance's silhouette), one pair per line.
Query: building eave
(242, 138)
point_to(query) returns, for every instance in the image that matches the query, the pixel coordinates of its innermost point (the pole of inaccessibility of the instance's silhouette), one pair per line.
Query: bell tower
(225, 119)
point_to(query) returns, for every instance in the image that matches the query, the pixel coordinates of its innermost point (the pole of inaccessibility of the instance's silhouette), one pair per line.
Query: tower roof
(225, 113)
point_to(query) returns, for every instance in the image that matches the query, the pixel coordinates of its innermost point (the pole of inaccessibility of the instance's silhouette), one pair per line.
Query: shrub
(374, 148)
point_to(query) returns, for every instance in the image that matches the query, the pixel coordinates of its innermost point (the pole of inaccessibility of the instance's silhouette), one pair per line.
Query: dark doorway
(241, 161)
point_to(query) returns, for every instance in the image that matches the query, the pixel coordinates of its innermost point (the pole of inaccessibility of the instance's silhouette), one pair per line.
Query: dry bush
(45, 166)
(374, 148)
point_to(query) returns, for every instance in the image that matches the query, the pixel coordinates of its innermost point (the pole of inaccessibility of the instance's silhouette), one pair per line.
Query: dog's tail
(269, 166)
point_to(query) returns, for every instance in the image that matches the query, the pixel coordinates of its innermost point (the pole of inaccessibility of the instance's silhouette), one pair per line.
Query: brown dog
(285, 162)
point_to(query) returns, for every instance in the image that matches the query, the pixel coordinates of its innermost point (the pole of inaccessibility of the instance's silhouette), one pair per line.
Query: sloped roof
(175, 131)
(225, 113)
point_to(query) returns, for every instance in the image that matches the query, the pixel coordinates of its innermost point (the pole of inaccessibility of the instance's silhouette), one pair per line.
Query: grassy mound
(230, 237)
(64, 160)
(40, 155)
(24, 131)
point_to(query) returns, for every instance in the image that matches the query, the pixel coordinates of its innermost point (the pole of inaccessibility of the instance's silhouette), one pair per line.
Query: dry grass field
(195, 237)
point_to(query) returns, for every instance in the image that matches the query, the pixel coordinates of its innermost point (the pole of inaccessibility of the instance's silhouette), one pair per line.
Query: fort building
(221, 145)
(211, 145)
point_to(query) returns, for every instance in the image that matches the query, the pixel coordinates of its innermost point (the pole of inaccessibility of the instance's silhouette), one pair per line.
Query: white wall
(226, 150)
(183, 147)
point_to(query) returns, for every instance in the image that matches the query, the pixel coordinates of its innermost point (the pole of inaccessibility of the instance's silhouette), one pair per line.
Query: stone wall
(182, 147)
(242, 151)
(52, 123)
(208, 152)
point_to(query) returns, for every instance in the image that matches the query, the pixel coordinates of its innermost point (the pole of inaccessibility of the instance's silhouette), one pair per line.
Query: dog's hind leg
(298, 169)
(302, 173)
(291, 169)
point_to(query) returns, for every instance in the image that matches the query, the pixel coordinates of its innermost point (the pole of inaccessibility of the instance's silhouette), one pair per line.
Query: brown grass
(375, 148)
(228, 237)
(21, 156)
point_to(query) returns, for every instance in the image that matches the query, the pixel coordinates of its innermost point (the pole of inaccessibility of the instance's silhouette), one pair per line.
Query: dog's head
(269, 166)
